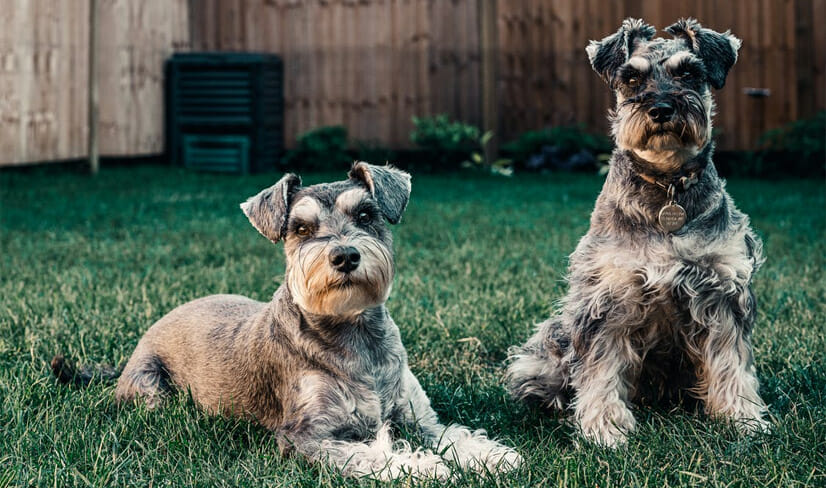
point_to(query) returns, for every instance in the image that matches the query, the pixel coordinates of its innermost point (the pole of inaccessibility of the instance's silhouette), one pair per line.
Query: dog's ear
(717, 50)
(268, 210)
(609, 54)
(390, 187)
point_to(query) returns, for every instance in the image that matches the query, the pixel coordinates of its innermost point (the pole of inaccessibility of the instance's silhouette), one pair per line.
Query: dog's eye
(364, 218)
(303, 231)
(633, 82)
(685, 75)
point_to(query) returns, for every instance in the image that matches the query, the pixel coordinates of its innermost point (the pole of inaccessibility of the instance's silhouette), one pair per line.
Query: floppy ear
(609, 54)
(718, 51)
(268, 210)
(390, 187)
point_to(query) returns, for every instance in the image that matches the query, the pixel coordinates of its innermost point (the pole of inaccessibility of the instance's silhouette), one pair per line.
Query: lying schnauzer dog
(659, 298)
(322, 364)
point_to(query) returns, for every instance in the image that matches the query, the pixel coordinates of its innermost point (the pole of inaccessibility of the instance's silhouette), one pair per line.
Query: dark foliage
(323, 148)
(558, 148)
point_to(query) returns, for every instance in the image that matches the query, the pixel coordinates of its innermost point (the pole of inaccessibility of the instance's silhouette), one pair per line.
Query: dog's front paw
(752, 426)
(503, 459)
(609, 428)
(746, 415)
(402, 464)
(475, 451)
(424, 467)
(488, 456)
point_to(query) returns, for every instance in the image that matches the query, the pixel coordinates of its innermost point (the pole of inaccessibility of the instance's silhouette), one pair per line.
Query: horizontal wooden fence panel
(372, 65)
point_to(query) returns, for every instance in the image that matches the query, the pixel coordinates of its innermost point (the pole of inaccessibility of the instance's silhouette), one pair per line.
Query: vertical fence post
(488, 46)
(93, 102)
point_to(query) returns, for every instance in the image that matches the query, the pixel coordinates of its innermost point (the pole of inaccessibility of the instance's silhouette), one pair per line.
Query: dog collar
(672, 216)
(680, 182)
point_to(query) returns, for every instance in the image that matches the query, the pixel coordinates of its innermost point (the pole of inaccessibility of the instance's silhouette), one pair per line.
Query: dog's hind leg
(538, 371)
(144, 377)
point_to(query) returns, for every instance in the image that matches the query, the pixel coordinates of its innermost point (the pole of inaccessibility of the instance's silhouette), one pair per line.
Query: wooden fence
(373, 64)
(44, 75)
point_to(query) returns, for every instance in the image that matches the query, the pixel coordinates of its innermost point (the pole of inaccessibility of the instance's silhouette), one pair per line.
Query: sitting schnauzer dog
(659, 298)
(322, 365)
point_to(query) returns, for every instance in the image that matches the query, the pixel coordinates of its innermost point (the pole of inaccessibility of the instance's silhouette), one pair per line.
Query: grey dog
(322, 365)
(659, 299)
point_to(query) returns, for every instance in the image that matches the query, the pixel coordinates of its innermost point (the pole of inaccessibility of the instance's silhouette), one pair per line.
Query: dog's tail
(66, 372)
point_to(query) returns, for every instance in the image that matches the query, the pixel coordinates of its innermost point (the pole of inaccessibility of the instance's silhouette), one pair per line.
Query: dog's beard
(670, 144)
(319, 289)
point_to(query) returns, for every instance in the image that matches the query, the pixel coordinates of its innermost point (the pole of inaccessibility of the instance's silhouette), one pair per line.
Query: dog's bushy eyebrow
(306, 209)
(639, 63)
(680, 59)
(351, 199)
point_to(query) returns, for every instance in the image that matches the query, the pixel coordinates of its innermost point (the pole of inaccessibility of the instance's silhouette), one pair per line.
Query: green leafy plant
(453, 143)
(320, 149)
(444, 141)
(534, 149)
(797, 148)
(501, 166)
(806, 137)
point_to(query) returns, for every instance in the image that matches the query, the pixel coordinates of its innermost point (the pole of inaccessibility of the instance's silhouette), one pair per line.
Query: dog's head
(663, 86)
(339, 249)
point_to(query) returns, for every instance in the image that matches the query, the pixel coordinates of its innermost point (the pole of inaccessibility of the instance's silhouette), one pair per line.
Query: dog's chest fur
(658, 276)
(351, 367)
(374, 373)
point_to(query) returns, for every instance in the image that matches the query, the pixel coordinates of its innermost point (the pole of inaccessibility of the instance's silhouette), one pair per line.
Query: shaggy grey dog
(659, 298)
(322, 365)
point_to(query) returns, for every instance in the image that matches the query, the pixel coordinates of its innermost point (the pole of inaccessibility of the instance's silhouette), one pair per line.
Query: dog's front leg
(469, 449)
(332, 424)
(380, 458)
(728, 381)
(601, 380)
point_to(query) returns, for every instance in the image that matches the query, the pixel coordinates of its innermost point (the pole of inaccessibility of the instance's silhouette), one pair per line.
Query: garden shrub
(445, 142)
(560, 148)
(795, 149)
(323, 148)
(451, 144)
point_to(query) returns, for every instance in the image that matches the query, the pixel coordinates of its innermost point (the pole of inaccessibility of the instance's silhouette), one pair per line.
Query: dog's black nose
(661, 112)
(345, 258)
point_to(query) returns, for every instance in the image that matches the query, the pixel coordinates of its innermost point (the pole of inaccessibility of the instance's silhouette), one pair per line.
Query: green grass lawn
(89, 263)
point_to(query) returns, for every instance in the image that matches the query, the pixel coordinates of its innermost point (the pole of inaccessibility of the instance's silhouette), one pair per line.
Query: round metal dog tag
(672, 217)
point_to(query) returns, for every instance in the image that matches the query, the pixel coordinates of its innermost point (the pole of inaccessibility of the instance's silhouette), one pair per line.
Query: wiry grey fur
(322, 364)
(650, 314)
